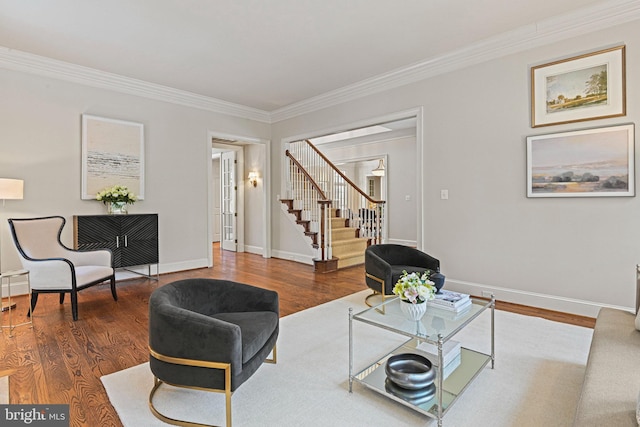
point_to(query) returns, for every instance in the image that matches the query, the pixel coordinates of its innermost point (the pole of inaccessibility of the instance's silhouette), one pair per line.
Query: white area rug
(536, 381)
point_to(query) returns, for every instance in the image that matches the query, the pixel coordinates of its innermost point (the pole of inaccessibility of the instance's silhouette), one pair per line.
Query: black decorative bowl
(415, 397)
(410, 371)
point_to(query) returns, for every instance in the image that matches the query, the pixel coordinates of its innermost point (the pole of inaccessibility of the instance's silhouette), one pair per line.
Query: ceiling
(263, 54)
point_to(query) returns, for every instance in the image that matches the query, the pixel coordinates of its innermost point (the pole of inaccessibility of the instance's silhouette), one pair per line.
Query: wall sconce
(253, 178)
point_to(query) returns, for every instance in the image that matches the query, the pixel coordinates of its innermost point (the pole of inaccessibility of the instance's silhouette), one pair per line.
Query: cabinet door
(139, 239)
(98, 232)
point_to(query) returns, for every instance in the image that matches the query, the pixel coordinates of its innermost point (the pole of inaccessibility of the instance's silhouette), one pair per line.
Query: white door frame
(216, 232)
(232, 210)
(266, 189)
(383, 184)
(418, 113)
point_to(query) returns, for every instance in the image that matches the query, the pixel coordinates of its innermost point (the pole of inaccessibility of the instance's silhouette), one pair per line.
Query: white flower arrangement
(415, 288)
(115, 194)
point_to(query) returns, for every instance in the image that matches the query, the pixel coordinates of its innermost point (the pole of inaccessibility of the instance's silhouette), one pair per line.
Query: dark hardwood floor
(61, 361)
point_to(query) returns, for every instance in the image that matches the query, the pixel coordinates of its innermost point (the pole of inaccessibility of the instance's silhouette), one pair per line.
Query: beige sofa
(611, 386)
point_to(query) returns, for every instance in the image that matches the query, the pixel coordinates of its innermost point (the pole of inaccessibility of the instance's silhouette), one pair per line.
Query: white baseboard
(20, 287)
(253, 249)
(304, 259)
(411, 243)
(164, 268)
(17, 288)
(191, 264)
(533, 299)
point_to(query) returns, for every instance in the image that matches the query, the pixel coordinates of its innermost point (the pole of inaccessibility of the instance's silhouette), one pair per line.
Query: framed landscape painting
(585, 163)
(112, 154)
(586, 87)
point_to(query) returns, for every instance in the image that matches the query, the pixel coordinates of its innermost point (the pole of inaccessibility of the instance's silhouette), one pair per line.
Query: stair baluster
(324, 192)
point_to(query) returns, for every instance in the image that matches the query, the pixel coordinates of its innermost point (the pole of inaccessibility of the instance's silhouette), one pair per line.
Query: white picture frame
(584, 163)
(112, 154)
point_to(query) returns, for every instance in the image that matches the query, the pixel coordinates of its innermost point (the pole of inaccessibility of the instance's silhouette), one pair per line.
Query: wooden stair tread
(348, 248)
(351, 254)
(349, 241)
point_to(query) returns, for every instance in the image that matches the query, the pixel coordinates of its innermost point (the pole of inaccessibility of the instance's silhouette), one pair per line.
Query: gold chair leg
(375, 293)
(379, 280)
(215, 365)
(227, 393)
(157, 383)
(274, 356)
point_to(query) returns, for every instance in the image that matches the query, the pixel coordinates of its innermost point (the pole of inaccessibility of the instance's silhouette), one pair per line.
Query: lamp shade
(379, 171)
(11, 189)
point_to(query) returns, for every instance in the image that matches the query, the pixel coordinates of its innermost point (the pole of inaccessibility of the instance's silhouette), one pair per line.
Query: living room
(473, 114)
(488, 233)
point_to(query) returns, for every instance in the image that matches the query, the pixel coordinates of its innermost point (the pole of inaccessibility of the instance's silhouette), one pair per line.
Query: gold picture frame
(586, 87)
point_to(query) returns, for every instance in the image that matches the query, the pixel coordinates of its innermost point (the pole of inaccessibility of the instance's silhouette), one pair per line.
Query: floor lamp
(10, 189)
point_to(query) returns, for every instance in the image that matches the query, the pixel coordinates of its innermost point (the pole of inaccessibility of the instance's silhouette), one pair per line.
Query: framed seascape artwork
(112, 154)
(585, 163)
(585, 87)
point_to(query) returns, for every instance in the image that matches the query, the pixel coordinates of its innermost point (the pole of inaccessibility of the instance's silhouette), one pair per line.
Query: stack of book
(452, 301)
(450, 355)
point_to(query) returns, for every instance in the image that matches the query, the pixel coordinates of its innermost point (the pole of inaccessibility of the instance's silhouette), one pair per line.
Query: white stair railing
(311, 200)
(362, 211)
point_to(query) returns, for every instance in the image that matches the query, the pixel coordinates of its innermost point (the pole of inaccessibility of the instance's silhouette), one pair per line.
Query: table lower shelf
(425, 401)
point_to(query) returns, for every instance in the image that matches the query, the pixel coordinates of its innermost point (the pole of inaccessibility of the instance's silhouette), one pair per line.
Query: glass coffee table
(451, 380)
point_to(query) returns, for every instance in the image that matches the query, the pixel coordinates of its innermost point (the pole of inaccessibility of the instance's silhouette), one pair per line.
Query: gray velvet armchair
(385, 263)
(210, 334)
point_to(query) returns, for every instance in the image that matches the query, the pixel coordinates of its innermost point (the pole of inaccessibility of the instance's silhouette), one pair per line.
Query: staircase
(304, 223)
(338, 218)
(346, 246)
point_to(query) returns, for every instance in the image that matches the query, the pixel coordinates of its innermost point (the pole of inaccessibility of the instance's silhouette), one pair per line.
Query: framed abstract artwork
(112, 154)
(584, 163)
(585, 87)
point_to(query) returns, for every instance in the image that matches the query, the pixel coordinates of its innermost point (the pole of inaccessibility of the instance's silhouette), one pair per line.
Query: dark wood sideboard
(132, 238)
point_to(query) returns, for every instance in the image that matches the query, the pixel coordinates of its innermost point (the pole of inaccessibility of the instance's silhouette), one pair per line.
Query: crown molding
(26, 62)
(583, 21)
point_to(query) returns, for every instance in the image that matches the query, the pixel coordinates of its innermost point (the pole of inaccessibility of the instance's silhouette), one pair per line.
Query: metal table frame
(10, 306)
(373, 375)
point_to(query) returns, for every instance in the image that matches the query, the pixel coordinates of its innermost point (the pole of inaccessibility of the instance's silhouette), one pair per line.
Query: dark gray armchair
(384, 264)
(210, 334)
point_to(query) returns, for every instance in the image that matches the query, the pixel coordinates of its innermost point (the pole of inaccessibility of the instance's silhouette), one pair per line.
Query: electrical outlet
(486, 294)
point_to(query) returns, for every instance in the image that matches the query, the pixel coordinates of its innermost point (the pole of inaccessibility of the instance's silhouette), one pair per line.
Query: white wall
(40, 123)
(254, 158)
(216, 199)
(570, 254)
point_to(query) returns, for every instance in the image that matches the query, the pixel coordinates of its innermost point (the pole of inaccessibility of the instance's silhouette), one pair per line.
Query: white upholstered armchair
(54, 268)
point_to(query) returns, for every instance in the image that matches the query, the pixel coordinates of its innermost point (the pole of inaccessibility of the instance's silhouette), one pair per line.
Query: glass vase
(117, 208)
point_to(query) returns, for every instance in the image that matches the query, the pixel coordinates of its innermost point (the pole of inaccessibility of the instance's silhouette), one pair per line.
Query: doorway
(232, 158)
(364, 173)
(228, 195)
(397, 139)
